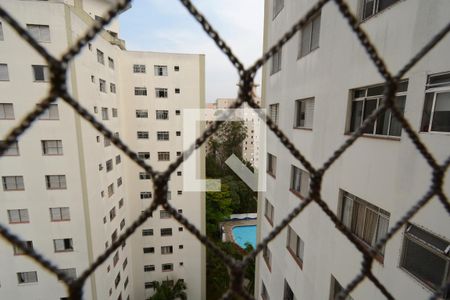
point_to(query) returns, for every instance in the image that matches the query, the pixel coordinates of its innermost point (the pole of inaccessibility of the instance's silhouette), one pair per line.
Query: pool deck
(228, 227)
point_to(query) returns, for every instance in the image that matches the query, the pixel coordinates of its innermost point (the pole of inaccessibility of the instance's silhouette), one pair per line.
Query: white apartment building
(70, 192)
(250, 148)
(319, 88)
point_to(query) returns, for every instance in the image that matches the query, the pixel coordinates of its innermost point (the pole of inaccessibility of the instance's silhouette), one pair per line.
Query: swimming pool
(244, 234)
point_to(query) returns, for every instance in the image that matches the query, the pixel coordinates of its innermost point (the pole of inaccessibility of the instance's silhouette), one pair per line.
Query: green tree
(169, 291)
(218, 208)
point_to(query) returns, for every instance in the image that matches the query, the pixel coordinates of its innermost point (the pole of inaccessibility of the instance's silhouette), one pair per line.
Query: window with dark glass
(426, 256)
(304, 113)
(335, 289)
(436, 109)
(372, 7)
(309, 36)
(299, 181)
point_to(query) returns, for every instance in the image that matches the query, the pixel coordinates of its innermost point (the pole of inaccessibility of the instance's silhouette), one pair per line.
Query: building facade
(318, 89)
(66, 189)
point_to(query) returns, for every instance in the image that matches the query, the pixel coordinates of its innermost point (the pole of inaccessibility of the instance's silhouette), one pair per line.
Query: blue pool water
(244, 234)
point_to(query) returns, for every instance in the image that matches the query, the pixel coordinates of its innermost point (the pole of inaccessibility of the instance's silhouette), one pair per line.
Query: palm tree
(169, 291)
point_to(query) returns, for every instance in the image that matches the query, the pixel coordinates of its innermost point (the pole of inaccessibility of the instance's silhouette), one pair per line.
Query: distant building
(250, 148)
(65, 189)
(318, 89)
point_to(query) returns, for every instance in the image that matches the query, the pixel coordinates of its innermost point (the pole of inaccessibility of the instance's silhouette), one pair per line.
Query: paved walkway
(228, 226)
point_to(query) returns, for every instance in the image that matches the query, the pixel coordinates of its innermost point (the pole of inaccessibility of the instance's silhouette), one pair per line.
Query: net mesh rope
(58, 67)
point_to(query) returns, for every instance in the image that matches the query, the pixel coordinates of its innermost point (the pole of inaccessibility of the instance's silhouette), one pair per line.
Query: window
(309, 36)
(63, 245)
(295, 246)
(106, 142)
(372, 7)
(264, 293)
(111, 62)
(100, 57)
(142, 134)
(1, 31)
(149, 250)
(41, 33)
(51, 113)
(267, 255)
(273, 112)
(276, 62)
(109, 165)
(18, 216)
(118, 159)
(102, 85)
(164, 214)
(299, 182)
(366, 221)
(141, 113)
(27, 277)
(426, 257)
(117, 280)
(138, 68)
(167, 267)
(59, 214)
(116, 259)
(4, 75)
(147, 232)
(146, 195)
(112, 88)
(112, 214)
(176, 68)
(13, 150)
(166, 249)
(288, 294)
(268, 211)
(436, 109)
(105, 115)
(177, 112)
(178, 133)
(55, 182)
(166, 231)
(125, 263)
(177, 91)
(304, 113)
(144, 176)
(162, 135)
(160, 70)
(149, 285)
(149, 268)
(19, 251)
(271, 164)
(161, 93)
(110, 190)
(40, 73)
(144, 155)
(52, 147)
(13, 183)
(366, 100)
(335, 289)
(6, 111)
(163, 156)
(162, 115)
(140, 91)
(114, 236)
(120, 203)
(277, 7)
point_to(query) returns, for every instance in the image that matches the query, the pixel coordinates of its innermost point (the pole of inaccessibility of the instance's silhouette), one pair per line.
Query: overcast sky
(166, 26)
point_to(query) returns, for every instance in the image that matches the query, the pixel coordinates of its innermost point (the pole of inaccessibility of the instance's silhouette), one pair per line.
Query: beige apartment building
(67, 190)
(319, 88)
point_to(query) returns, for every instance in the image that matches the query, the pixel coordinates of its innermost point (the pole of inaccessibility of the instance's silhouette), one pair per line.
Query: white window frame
(435, 89)
(144, 176)
(160, 70)
(13, 149)
(52, 147)
(274, 111)
(51, 113)
(41, 33)
(7, 111)
(303, 181)
(164, 156)
(143, 135)
(167, 267)
(102, 85)
(272, 165)
(16, 181)
(4, 73)
(63, 245)
(139, 68)
(297, 250)
(162, 114)
(100, 57)
(165, 250)
(59, 214)
(59, 180)
(304, 111)
(161, 92)
(112, 87)
(162, 135)
(140, 91)
(311, 30)
(45, 73)
(276, 61)
(17, 216)
(141, 113)
(144, 155)
(27, 277)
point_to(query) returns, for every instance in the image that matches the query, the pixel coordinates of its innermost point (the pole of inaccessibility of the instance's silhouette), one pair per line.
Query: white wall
(388, 173)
